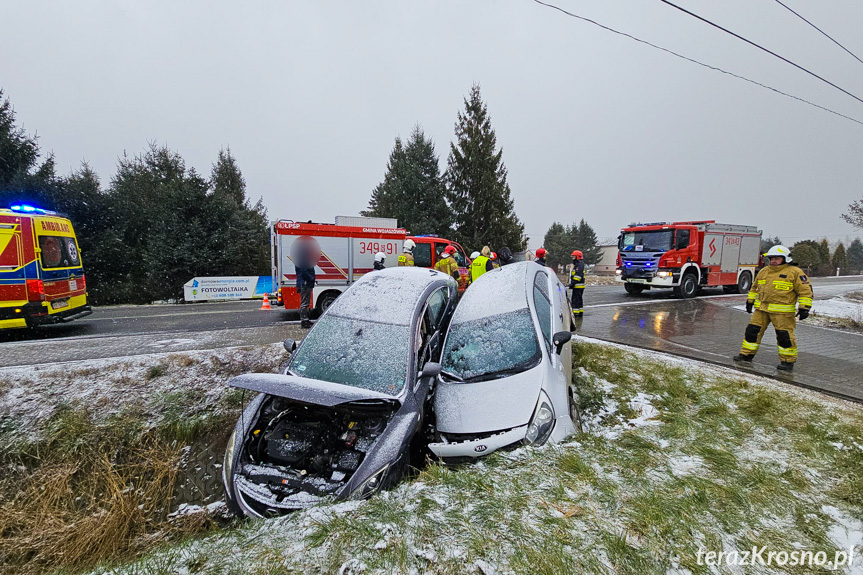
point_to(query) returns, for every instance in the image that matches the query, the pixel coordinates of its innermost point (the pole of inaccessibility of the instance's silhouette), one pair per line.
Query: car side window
(543, 307)
(439, 247)
(422, 256)
(436, 306)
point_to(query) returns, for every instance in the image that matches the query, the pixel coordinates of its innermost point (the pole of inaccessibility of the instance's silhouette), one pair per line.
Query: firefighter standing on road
(576, 282)
(379, 260)
(407, 258)
(540, 256)
(777, 288)
(447, 263)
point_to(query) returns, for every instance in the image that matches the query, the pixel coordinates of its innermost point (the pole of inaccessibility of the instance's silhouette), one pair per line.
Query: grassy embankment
(676, 459)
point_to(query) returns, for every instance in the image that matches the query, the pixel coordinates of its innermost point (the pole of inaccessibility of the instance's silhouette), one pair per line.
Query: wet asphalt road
(132, 330)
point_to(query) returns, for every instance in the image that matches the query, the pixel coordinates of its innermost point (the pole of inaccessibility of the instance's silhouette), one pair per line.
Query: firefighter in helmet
(407, 257)
(380, 257)
(481, 264)
(447, 263)
(540, 256)
(778, 288)
(576, 282)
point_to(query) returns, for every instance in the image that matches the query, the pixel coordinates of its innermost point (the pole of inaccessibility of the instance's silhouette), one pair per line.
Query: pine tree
(227, 179)
(824, 269)
(805, 254)
(558, 244)
(839, 260)
(855, 256)
(584, 239)
(768, 243)
(476, 183)
(412, 190)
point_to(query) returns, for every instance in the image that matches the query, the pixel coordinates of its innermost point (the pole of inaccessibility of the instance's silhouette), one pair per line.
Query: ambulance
(41, 275)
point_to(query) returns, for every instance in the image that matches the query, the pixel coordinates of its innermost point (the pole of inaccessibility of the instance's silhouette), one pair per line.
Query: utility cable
(708, 66)
(820, 30)
(750, 42)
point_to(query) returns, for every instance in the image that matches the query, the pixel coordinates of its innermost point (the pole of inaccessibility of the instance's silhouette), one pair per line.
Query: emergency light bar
(30, 210)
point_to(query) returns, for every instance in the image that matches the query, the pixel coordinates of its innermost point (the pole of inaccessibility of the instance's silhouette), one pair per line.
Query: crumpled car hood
(311, 391)
(487, 405)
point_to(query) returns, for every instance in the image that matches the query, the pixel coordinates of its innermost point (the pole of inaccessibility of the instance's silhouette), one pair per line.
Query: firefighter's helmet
(380, 257)
(540, 253)
(781, 251)
(577, 255)
(493, 255)
(449, 250)
(474, 255)
(409, 246)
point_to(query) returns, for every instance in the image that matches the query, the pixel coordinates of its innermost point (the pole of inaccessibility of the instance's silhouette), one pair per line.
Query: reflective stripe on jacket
(447, 265)
(406, 259)
(576, 276)
(780, 289)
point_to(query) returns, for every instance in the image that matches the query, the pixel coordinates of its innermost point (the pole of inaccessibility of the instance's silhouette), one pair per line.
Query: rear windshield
(59, 252)
(491, 347)
(357, 353)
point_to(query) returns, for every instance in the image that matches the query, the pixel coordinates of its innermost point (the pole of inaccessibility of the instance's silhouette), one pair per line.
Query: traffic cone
(266, 304)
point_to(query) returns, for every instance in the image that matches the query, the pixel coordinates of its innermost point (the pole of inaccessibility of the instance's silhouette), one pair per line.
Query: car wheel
(744, 282)
(574, 412)
(633, 289)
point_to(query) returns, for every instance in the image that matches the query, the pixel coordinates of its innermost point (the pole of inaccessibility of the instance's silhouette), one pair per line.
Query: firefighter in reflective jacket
(407, 257)
(481, 264)
(777, 288)
(447, 263)
(576, 282)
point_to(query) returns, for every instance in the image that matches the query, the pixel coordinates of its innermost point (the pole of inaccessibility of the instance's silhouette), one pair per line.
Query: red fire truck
(686, 256)
(347, 250)
(41, 276)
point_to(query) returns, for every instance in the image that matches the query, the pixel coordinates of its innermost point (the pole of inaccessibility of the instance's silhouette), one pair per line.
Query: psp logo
(480, 448)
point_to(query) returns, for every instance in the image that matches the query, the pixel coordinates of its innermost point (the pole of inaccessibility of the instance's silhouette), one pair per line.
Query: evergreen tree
(855, 214)
(227, 180)
(412, 190)
(476, 183)
(855, 256)
(768, 243)
(824, 269)
(839, 260)
(22, 179)
(806, 255)
(584, 239)
(558, 243)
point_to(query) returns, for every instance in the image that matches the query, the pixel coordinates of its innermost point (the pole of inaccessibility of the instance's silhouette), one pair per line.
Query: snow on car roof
(386, 296)
(498, 291)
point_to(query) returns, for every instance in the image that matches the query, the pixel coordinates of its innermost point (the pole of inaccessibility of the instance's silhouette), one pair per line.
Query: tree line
(155, 226)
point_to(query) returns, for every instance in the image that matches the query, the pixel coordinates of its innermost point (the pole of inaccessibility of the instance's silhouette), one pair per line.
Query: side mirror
(560, 339)
(290, 345)
(430, 369)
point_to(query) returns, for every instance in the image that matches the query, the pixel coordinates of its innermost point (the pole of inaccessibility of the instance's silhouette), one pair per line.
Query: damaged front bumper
(469, 449)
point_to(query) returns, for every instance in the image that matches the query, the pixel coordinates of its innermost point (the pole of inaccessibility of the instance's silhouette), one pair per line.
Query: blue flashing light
(646, 264)
(24, 208)
(628, 263)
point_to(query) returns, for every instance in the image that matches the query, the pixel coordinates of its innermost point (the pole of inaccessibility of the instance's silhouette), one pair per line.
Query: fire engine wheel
(326, 300)
(688, 286)
(633, 289)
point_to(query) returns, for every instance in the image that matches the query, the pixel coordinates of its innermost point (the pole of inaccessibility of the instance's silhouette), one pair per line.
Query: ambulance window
(682, 239)
(422, 256)
(10, 241)
(58, 252)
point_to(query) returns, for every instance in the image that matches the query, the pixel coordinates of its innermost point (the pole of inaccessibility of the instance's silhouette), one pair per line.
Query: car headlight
(618, 272)
(541, 423)
(228, 463)
(663, 274)
(372, 484)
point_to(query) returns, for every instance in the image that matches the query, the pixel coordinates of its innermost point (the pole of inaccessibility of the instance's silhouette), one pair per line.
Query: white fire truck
(347, 250)
(686, 256)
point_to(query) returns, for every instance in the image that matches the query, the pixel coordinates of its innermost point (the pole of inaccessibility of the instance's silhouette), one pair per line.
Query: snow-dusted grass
(90, 451)
(677, 457)
(845, 311)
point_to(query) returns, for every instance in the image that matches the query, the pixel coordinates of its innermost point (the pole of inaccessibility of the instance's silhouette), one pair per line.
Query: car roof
(387, 296)
(502, 290)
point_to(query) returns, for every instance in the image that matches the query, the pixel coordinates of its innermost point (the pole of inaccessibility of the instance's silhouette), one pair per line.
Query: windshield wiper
(496, 374)
(452, 376)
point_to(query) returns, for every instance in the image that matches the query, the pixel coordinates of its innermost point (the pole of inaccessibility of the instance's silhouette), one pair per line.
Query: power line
(708, 66)
(750, 42)
(820, 30)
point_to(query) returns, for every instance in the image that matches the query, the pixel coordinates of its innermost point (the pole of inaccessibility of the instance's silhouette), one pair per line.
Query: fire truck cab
(687, 256)
(41, 275)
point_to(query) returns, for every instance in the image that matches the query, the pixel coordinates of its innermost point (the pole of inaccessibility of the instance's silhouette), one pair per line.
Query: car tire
(574, 412)
(688, 286)
(633, 289)
(744, 282)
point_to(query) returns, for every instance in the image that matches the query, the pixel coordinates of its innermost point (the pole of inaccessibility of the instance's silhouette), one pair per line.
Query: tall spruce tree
(839, 261)
(584, 239)
(412, 190)
(558, 244)
(855, 256)
(476, 183)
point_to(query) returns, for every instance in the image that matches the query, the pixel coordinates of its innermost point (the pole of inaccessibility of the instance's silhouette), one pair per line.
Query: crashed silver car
(506, 366)
(348, 412)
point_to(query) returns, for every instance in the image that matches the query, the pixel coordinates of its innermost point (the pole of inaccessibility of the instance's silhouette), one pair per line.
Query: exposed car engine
(296, 453)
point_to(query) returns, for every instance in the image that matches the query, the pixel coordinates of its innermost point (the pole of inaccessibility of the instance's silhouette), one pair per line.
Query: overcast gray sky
(310, 97)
